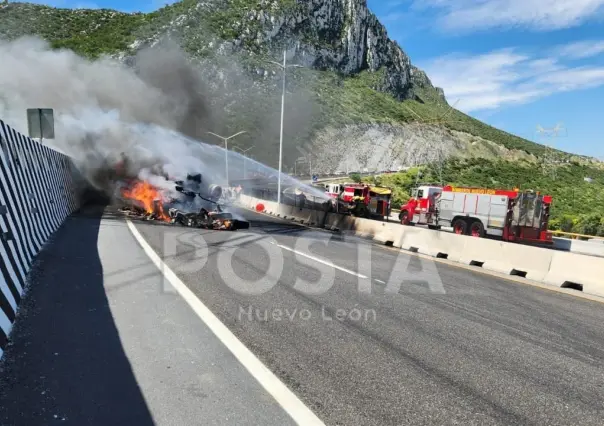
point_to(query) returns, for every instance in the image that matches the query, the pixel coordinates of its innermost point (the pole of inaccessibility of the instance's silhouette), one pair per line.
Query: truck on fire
(512, 215)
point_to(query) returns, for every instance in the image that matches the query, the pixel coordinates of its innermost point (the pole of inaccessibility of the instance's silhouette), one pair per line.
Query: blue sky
(514, 64)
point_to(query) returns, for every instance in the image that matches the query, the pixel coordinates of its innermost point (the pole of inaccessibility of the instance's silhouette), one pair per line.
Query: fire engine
(361, 199)
(511, 215)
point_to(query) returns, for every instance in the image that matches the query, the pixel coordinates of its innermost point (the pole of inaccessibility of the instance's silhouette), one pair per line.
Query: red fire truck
(510, 214)
(361, 199)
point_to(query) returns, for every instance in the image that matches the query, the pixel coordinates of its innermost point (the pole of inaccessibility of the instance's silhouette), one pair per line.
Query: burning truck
(192, 202)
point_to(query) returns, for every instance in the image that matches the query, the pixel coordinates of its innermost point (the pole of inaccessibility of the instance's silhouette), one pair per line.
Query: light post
(226, 151)
(296, 165)
(284, 67)
(244, 151)
(302, 159)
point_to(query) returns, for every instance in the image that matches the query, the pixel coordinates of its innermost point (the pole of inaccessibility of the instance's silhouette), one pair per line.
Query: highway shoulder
(102, 339)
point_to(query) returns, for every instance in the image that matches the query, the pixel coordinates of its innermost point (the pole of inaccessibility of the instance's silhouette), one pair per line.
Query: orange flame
(149, 196)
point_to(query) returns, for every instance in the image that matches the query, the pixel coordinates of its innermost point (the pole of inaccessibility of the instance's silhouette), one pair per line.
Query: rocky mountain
(355, 100)
(336, 35)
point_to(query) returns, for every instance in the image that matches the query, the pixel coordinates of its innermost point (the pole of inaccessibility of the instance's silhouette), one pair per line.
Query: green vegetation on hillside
(354, 100)
(230, 19)
(323, 97)
(92, 33)
(578, 206)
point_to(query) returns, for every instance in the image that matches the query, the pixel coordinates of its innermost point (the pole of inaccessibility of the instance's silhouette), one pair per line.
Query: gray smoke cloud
(156, 109)
(103, 107)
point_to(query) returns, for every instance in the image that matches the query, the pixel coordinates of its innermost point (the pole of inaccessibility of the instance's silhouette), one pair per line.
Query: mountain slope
(355, 103)
(353, 72)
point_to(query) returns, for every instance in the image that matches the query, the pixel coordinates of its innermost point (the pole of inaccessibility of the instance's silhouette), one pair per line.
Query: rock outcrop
(338, 35)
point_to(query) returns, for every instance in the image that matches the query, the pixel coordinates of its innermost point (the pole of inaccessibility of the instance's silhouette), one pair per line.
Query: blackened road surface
(450, 346)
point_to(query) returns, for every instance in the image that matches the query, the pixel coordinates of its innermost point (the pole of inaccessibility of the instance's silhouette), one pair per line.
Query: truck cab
(333, 190)
(421, 207)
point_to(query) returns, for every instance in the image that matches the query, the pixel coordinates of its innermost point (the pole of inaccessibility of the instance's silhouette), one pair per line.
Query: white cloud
(581, 49)
(541, 15)
(574, 78)
(507, 77)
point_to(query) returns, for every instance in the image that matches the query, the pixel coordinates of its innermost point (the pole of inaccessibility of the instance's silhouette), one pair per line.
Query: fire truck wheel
(477, 229)
(460, 226)
(404, 217)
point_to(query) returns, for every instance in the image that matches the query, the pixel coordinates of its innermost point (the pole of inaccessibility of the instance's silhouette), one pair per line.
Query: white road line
(324, 262)
(380, 281)
(296, 409)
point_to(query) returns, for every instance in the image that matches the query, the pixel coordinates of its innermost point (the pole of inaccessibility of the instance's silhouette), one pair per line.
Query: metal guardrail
(574, 236)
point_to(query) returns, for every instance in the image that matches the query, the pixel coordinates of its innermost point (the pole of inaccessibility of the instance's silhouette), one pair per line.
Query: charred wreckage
(197, 206)
(206, 216)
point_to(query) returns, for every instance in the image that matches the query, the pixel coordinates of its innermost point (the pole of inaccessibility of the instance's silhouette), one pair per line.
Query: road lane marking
(380, 281)
(290, 403)
(478, 270)
(317, 259)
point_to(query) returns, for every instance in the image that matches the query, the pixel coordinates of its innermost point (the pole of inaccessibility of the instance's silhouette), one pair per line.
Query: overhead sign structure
(41, 123)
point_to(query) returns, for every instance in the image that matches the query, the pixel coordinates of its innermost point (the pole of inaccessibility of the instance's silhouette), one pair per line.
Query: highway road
(104, 339)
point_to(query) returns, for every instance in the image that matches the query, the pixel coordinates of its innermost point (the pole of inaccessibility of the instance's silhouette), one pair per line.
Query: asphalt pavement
(102, 339)
(436, 345)
(362, 334)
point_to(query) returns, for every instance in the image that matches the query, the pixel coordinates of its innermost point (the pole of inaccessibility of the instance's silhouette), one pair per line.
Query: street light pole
(296, 165)
(281, 133)
(226, 151)
(284, 67)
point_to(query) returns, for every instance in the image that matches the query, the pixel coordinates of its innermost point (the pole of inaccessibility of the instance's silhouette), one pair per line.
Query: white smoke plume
(103, 108)
(154, 113)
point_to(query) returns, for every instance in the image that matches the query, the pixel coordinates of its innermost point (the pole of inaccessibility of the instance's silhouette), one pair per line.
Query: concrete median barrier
(544, 265)
(429, 242)
(571, 270)
(310, 217)
(507, 258)
(339, 222)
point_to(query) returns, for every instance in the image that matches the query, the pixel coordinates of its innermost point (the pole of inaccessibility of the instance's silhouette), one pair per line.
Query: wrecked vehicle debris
(210, 220)
(197, 204)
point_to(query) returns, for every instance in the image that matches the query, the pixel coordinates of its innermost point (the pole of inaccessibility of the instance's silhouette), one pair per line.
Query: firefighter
(358, 205)
(302, 200)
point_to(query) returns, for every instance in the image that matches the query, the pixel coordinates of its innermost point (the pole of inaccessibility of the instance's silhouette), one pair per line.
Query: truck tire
(460, 226)
(403, 217)
(476, 229)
